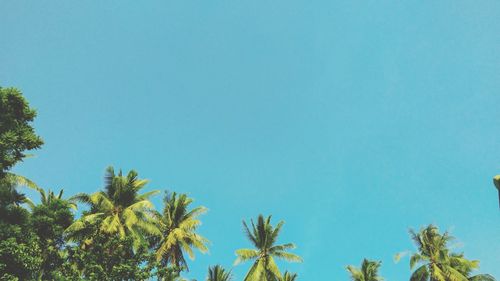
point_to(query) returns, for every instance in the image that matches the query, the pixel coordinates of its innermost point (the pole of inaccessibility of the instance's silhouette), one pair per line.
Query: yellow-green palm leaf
(178, 226)
(118, 209)
(264, 236)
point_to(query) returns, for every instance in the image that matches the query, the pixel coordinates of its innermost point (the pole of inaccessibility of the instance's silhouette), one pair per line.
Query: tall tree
(264, 236)
(168, 274)
(367, 272)
(49, 219)
(466, 267)
(20, 254)
(218, 273)
(178, 227)
(434, 260)
(108, 258)
(118, 209)
(16, 133)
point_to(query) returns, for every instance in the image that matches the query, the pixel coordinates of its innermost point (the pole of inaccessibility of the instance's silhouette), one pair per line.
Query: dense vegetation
(121, 236)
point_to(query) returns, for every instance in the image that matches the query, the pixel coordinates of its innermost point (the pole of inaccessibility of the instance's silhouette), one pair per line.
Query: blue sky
(350, 120)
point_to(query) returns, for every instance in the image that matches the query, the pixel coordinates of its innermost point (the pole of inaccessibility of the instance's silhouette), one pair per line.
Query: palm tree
(9, 182)
(465, 267)
(46, 198)
(118, 209)
(264, 236)
(218, 273)
(436, 262)
(48, 221)
(178, 227)
(367, 272)
(287, 276)
(432, 256)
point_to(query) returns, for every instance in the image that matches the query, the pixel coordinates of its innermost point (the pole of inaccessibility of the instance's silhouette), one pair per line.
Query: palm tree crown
(436, 262)
(47, 197)
(367, 272)
(178, 227)
(264, 237)
(119, 208)
(218, 273)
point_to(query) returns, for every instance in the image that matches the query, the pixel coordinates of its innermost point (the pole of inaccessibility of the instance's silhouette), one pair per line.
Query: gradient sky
(350, 120)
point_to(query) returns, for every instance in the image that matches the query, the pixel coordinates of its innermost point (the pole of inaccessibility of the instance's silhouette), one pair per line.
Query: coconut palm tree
(9, 182)
(178, 227)
(218, 273)
(465, 267)
(287, 276)
(118, 209)
(49, 219)
(264, 237)
(432, 256)
(435, 261)
(367, 272)
(47, 197)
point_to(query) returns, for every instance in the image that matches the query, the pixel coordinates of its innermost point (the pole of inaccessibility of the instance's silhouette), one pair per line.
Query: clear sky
(350, 120)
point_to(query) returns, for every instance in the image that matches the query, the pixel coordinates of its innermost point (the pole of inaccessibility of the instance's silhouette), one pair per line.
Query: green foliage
(435, 262)
(118, 209)
(19, 259)
(367, 272)
(20, 253)
(109, 257)
(218, 273)
(16, 133)
(264, 236)
(49, 219)
(287, 276)
(178, 227)
(165, 273)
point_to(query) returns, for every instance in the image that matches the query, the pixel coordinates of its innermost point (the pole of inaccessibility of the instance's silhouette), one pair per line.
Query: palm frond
(287, 256)
(244, 255)
(421, 274)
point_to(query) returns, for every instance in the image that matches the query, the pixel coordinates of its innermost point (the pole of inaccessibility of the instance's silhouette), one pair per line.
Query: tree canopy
(16, 132)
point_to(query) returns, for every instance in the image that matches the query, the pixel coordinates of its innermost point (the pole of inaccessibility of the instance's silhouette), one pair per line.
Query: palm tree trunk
(499, 198)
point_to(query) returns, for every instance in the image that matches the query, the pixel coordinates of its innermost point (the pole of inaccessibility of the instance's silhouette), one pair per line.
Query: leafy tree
(435, 261)
(16, 133)
(119, 209)
(108, 258)
(20, 254)
(49, 219)
(367, 272)
(168, 274)
(178, 227)
(218, 273)
(264, 236)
